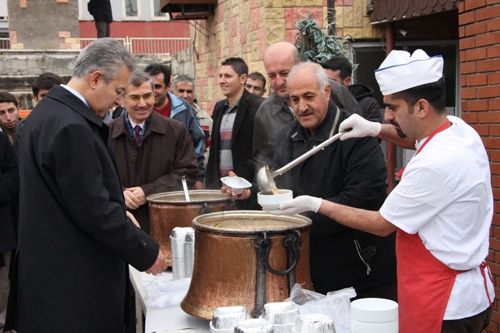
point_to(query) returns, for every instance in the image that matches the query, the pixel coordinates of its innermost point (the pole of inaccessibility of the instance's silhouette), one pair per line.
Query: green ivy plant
(314, 45)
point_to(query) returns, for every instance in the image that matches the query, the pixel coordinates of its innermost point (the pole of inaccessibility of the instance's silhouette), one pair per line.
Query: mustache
(399, 131)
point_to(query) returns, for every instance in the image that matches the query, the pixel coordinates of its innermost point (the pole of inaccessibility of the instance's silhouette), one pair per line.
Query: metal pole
(390, 147)
(330, 17)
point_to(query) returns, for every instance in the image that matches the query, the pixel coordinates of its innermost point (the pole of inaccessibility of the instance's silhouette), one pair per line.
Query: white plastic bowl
(269, 201)
(237, 184)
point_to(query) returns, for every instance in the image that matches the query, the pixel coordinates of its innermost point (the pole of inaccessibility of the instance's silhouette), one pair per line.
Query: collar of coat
(154, 124)
(324, 130)
(64, 96)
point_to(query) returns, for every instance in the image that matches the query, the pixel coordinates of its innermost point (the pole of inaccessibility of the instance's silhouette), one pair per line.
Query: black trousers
(103, 29)
(474, 324)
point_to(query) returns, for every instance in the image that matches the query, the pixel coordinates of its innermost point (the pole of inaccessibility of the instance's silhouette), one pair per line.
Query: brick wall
(244, 28)
(479, 33)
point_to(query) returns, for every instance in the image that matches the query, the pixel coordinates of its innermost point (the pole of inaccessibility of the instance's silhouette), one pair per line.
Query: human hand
(130, 200)
(133, 219)
(300, 204)
(139, 194)
(245, 194)
(198, 185)
(359, 127)
(159, 265)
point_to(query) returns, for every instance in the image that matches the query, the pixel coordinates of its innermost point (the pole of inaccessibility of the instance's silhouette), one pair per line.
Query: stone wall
(42, 24)
(352, 19)
(19, 69)
(244, 28)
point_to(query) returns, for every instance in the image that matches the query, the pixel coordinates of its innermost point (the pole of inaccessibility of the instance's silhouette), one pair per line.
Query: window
(157, 9)
(131, 8)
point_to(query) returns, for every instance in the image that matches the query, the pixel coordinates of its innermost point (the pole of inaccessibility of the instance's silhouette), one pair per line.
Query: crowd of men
(76, 174)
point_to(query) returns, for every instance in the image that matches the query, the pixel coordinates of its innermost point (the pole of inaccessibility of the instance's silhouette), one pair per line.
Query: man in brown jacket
(152, 152)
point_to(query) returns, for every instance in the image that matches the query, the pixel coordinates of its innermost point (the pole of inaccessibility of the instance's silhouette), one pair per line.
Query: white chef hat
(401, 71)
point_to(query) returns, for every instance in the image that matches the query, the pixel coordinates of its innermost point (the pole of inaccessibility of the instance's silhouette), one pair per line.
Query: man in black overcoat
(75, 237)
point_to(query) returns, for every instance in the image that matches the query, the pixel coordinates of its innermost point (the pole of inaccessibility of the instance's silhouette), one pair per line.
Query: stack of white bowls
(374, 315)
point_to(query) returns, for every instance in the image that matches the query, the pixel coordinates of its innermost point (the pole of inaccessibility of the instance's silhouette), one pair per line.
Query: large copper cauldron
(246, 258)
(170, 209)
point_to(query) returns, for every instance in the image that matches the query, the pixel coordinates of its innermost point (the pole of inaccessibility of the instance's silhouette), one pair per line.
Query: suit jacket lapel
(240, 115)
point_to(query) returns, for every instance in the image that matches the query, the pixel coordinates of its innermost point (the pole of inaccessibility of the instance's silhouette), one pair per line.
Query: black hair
(45, 81)
(6, 97)
(157, 68)
(258, 76)
(239, 65)
(339, 63)
(434, 93)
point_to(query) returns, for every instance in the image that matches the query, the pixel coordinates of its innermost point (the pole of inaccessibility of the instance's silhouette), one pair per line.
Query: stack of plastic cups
(283, 316)
(177, 240)
(189, 253)
(315, 323)
(226, 318)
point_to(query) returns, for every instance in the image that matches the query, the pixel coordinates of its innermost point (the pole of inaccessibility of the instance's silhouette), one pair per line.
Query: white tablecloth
(165, 319)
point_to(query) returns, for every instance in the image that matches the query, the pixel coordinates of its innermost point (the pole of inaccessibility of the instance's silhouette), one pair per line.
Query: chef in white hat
(442, 209)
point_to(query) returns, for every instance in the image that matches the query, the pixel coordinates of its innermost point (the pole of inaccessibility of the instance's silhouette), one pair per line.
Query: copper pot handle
(205, 209)
(290, 243)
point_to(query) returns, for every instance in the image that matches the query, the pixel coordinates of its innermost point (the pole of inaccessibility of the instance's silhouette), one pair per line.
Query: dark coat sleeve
(371, 109)
(213, 174)
(77, 164)
(9, 178)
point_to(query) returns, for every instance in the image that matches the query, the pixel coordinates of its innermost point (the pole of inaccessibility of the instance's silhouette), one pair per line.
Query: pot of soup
(171, 209)
(246, 258)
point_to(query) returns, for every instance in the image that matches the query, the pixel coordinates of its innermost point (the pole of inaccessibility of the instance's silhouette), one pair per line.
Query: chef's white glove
(300, 204)
(360, 127)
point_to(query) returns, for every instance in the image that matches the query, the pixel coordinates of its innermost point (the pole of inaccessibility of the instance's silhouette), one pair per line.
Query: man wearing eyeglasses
(152, 152)
(171, 106)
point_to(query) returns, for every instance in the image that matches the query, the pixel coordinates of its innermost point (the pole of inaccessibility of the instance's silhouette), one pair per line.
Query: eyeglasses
(137, 98)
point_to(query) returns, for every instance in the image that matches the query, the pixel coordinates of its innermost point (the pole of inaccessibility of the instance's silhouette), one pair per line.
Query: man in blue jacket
(171, 106)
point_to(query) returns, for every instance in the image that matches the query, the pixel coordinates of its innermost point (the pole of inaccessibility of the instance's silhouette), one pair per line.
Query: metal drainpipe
(390, 147)
(330, 17)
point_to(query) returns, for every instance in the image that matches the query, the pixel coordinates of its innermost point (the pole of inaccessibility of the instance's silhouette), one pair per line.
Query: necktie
(137, 135)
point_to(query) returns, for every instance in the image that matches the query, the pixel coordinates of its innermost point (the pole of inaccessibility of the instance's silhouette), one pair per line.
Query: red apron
(424, 283)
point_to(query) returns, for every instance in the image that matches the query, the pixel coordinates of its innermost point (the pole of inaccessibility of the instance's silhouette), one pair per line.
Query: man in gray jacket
(275, 112)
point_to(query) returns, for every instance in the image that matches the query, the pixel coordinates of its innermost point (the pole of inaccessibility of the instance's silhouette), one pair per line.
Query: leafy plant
(313, 45)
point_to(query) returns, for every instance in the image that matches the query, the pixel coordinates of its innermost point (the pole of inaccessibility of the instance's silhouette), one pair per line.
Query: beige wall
(244, 28)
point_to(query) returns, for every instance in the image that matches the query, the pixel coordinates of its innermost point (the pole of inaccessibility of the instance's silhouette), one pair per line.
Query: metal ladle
(185, 189)
(265, 177)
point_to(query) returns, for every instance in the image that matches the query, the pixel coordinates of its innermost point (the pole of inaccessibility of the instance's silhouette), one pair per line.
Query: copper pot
(246, 258)
(170, 209)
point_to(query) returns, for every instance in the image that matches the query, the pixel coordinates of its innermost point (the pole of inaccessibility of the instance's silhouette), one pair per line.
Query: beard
(399, 131)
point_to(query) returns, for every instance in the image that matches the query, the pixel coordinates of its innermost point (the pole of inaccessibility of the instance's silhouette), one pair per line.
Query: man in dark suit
(232, 131)
(75, 237)
(103, 16)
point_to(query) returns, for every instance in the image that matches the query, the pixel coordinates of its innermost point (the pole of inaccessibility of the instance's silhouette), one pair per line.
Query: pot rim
(301, 222)
(168, 197)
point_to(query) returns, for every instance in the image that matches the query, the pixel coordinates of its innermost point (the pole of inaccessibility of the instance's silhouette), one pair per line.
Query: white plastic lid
(374, 310)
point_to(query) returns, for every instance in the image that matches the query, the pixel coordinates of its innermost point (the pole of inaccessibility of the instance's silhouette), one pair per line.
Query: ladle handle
(185, 189)
(306, 155)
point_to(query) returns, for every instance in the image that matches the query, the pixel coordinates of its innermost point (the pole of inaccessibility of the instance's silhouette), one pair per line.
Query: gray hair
(139, 77)
(106, 55)
(319, 72)
(183, 78)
